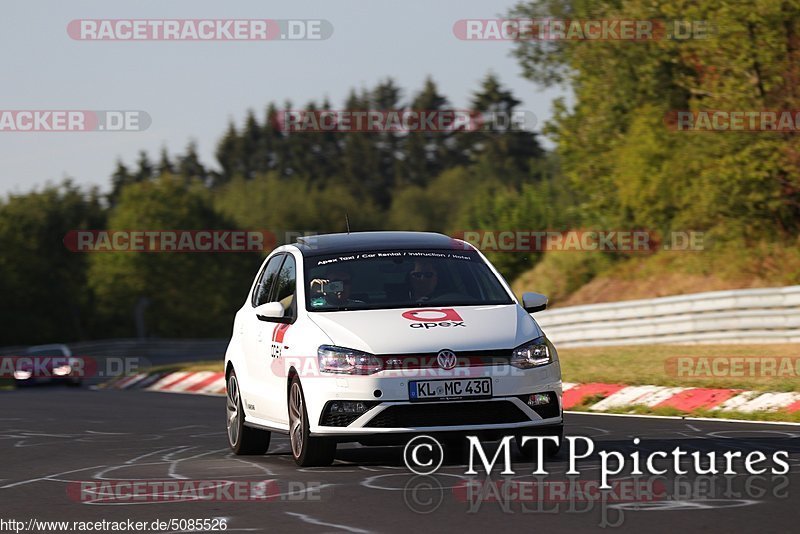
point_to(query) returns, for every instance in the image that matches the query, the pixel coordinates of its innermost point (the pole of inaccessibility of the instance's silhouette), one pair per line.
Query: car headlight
(341, 360)
(62, 370)
(532, 354)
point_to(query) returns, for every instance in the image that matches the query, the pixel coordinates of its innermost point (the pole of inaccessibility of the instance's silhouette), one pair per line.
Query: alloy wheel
(233, 410)
(296, 419)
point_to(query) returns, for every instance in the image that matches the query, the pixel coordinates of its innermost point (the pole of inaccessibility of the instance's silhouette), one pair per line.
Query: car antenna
(347, 222)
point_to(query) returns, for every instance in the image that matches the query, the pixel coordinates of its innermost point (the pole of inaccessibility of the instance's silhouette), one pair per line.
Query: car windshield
(400, 279)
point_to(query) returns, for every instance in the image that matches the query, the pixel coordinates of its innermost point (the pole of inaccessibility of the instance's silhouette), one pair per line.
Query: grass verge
(777, 417)
(658, 365)
(194, 367)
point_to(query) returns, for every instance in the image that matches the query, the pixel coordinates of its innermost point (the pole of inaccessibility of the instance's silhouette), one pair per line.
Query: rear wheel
(307, 451)
(242, 439)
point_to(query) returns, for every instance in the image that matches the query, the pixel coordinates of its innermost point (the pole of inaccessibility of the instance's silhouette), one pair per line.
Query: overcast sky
(192, 89)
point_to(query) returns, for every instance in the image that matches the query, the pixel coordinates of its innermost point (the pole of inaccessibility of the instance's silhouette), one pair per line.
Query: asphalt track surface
(52, 438)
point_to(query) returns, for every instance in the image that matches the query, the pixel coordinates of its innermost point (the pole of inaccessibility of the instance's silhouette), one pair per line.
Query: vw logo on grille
(446, 359)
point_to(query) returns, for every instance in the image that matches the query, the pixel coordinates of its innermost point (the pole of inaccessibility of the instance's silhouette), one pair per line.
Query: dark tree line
(265, 178)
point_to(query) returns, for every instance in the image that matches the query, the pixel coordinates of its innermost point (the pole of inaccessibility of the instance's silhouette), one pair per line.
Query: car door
(258, 341)
(286, 293)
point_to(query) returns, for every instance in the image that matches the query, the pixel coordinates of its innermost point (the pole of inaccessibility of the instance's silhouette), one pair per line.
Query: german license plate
(463, 388)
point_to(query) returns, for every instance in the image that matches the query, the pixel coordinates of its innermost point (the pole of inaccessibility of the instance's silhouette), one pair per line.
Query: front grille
(448, 414)
(471, 358)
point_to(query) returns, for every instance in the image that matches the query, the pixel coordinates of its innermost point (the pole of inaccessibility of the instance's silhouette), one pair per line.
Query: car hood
(414, 330)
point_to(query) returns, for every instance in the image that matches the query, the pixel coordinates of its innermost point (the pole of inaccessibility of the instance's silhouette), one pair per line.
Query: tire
(242, 439)
(530, 450)
(306, 450)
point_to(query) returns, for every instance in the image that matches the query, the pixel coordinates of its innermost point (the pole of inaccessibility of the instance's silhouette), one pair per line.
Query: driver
(340, 279)
(423, 280)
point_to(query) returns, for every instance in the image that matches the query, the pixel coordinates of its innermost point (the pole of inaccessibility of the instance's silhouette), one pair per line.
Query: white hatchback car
(377, 336)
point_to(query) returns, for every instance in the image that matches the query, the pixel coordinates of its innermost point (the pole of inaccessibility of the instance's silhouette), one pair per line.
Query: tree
(191, 294)
(165, 166)
(619, 152)
(119, 179)
(425, 154)
(250, 141)
(501, 145)
(43, 283)
(189, 166)
(145, 168)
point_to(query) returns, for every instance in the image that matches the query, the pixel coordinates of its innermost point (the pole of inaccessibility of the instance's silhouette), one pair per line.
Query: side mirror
(271, 311)
(534, 302)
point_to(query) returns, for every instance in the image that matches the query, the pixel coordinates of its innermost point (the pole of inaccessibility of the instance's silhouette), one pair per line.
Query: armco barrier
(770, 315)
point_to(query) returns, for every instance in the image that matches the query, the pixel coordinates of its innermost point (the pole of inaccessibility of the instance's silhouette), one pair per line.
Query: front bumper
(391, 412)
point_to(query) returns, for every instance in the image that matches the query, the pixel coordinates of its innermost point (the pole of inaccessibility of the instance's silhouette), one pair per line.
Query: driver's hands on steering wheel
(320, 282)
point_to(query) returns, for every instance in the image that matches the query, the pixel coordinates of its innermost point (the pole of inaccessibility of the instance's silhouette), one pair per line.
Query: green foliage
(439, 207)
(560, 274)
(617, 166)
(278, 205)
(269, 179)
(190, 294)
(614, 144)
(41, 281)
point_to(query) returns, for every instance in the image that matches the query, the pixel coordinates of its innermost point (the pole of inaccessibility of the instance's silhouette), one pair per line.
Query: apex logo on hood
(434, 318)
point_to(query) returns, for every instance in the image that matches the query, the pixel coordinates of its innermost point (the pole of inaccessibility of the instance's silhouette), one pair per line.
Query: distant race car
(376, 337)
(47, 364)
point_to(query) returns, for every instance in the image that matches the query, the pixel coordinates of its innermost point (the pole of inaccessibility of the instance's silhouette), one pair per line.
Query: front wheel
(242, 439)
(306, 451)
